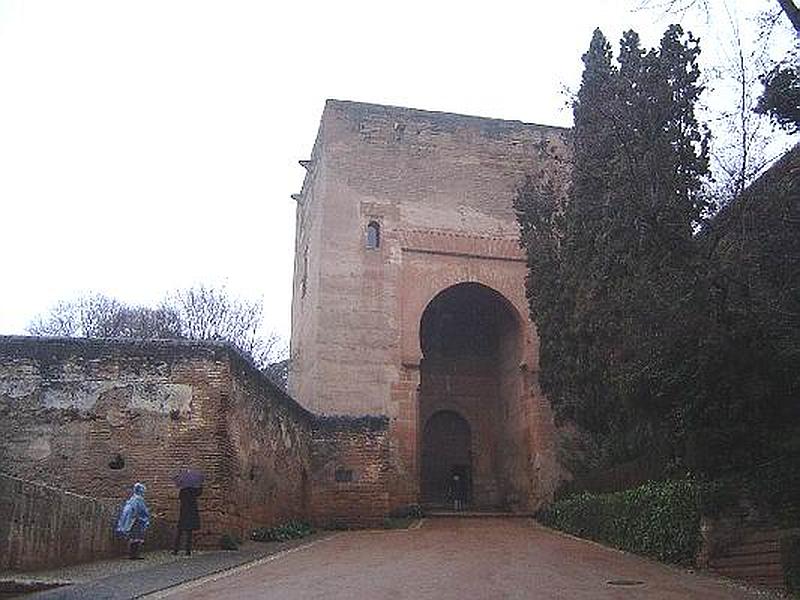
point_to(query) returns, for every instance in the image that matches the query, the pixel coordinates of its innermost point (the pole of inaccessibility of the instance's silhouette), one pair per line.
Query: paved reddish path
(458, 559)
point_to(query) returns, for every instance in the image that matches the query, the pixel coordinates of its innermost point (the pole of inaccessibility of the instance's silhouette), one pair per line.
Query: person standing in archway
(458, 491)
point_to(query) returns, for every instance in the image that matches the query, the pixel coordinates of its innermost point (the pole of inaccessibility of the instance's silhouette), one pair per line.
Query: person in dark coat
(458, 491)
(189, 517)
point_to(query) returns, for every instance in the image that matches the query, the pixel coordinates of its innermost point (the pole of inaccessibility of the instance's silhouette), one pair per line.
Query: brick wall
(94, 416)
(352, 471)
(44, 526)
(267, 452)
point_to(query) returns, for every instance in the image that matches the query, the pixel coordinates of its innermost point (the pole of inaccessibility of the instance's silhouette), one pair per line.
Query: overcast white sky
(151, 145)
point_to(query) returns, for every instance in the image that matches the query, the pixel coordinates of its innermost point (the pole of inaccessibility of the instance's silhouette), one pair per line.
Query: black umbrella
(189, 478)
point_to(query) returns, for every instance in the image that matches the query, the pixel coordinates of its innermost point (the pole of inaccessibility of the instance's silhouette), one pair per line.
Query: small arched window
(373, 235)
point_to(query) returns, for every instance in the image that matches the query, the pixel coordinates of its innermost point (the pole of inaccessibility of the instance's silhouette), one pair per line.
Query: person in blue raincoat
(133, 521)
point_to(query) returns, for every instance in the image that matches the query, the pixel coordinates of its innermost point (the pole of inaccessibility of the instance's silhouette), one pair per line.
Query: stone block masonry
(94, 416)
(439, 187)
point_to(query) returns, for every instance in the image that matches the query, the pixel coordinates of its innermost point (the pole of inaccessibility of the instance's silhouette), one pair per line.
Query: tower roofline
(438, 117)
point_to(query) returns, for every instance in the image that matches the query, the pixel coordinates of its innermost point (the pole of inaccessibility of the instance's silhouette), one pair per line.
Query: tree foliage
(609, 266)
(741, 407)
(657, 328)
(781, 97)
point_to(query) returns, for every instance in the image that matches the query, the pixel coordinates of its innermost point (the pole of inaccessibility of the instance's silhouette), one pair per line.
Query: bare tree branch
(791, 10)
(197, 313)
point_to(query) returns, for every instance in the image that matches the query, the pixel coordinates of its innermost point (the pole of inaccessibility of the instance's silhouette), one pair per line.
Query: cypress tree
(619, 251)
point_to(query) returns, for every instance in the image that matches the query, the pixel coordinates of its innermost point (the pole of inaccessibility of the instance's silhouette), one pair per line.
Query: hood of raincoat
(134, 512)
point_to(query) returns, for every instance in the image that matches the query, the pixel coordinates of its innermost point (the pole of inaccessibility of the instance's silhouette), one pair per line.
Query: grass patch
(281, 533)
(229, 541)
(398, 522)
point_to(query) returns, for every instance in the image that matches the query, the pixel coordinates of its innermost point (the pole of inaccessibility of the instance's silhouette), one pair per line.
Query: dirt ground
(458, 558)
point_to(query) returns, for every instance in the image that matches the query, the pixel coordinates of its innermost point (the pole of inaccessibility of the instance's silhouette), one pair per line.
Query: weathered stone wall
(42, 525)
(441, 188)
(267, 450)
(94, 416)
(352, 467)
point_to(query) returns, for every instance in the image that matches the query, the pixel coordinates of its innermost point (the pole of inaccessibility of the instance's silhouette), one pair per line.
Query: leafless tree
(99, 316)
(786, 7)
(208, 313)
(197, 313)
(744, 140)
(746, 156)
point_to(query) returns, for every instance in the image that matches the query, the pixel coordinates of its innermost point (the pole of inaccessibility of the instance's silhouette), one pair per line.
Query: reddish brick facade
(352, 466)
(440, 187)
(94, 416)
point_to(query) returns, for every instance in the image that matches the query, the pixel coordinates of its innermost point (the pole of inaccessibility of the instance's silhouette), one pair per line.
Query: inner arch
(470, 336)
(446, 452)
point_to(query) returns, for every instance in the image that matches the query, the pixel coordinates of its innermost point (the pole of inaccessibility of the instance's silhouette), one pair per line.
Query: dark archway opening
(470, 405)
(466, 321)
(446, 451)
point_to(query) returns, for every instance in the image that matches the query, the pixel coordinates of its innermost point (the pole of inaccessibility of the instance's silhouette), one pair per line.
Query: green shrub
(229, 541)
(661, 520)
(413, 511)
(281, 533)
(398, 522)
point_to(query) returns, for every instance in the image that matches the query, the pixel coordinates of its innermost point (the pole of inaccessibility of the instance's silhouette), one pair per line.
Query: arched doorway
(446, 451)
(471, 406)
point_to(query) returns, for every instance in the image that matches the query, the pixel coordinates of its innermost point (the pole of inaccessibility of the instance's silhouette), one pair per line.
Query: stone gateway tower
(409, 297)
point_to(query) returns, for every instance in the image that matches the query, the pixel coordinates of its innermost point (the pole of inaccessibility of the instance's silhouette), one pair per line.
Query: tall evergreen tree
(620, 252)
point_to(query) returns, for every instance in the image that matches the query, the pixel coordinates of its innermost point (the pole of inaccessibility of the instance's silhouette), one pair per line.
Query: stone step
(476, 514)
(760, 558)
(752, 548)
(751, 571)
